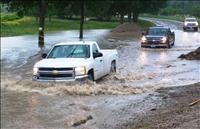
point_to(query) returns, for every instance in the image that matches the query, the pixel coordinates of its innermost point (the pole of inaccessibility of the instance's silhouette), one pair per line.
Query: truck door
(98, 63)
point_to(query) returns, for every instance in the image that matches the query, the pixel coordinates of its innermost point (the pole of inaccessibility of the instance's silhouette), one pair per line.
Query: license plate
(153, 45)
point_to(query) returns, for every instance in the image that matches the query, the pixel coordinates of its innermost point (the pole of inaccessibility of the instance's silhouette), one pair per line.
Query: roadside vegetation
(13, 25)
(145, 24)
(178, 10)
(71, 15)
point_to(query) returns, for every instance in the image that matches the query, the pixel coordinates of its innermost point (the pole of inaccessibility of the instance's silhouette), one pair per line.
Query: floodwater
(108, 103)
(17, 49)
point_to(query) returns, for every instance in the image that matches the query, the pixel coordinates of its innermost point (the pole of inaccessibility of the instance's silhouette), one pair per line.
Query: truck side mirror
(44, 55)
(98, 54)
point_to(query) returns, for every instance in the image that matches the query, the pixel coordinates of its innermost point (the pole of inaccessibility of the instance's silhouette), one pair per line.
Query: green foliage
(182, 7)
(145, 24)
(101, 9)
(195, 10)
(28, 25)
(170, 11)
(9, 17)
(171, 17)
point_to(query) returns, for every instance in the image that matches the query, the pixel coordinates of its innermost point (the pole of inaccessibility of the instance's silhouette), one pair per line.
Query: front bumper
(42, 79)
(190, 27)
(146, 44)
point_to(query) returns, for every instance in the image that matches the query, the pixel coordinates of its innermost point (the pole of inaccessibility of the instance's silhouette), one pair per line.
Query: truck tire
(168, 45)
(196, 29)
(173, 42)
(90, 76)
(113, 67)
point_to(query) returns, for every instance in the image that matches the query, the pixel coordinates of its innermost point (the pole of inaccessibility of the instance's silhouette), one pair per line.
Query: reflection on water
(143, 58)
(163, 56)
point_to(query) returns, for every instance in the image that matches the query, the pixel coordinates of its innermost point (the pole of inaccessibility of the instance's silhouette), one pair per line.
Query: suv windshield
(157, 31)
(70, 51)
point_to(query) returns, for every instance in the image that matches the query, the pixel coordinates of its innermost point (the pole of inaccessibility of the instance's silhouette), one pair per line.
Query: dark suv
(158, 36)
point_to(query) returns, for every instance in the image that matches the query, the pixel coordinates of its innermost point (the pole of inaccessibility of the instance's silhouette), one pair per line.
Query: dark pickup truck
(158, 36)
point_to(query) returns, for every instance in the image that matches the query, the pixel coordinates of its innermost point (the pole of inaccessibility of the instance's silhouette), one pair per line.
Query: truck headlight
(164, 39)
(35, 71)
(197, 24)
(185, 24)
(80, 70)
(144, 39)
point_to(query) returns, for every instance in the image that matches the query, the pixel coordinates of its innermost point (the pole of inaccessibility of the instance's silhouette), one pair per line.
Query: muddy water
(107, 103)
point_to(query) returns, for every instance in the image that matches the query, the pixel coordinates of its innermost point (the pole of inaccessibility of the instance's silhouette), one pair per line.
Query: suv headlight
(144, 39)
(80, 70)
(164, 39)
(35, 71)
(197, 23)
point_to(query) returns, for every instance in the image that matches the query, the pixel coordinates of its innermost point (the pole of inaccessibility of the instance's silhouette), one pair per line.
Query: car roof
(76, 43)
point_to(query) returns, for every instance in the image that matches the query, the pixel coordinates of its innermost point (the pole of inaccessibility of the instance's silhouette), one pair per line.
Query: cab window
(94, 48)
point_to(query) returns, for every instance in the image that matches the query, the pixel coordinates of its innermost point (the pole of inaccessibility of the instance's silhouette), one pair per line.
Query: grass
(28, 25)
(12, 25)
(174, 17)
(145, 24)
(8, 17)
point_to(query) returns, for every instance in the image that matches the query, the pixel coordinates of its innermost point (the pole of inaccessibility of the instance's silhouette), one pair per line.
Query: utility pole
(42, 11)
(81, 19)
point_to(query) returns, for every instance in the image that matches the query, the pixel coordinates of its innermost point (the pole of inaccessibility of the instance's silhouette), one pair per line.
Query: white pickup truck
(75, 60)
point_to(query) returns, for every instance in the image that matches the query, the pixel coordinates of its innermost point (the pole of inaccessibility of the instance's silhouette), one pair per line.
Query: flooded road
(16, 50)
(110, 102)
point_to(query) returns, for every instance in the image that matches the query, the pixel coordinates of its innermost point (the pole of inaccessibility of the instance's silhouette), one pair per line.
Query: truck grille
(60, 69)
(153, 38)
(153, 42)
(56, 73)
(191, 24)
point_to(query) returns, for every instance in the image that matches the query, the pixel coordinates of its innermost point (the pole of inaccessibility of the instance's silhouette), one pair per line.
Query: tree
(82, 18)
(42, 11)
(101, 9)
(119, 8)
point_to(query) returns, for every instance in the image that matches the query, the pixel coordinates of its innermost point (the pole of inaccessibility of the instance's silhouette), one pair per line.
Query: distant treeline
(182, 7)
(102, 10)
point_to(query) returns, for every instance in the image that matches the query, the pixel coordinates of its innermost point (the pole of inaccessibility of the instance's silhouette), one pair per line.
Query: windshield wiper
(70, 54)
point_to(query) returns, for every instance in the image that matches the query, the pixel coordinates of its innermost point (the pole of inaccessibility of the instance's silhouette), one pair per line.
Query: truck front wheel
(113, 67)
(90, 75)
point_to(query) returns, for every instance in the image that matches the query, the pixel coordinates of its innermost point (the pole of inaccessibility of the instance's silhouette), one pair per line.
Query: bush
(9, 17)
(195, 11)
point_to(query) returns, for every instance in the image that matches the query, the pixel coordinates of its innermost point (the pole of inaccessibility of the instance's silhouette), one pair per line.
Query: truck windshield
(157, 31)
(70, 51)
(190, 20)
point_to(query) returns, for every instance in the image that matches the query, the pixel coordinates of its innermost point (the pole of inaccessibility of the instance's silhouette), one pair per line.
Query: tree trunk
(135, 17)
(81, 19)
(129, 17)
(42, 11)
(121, 18)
